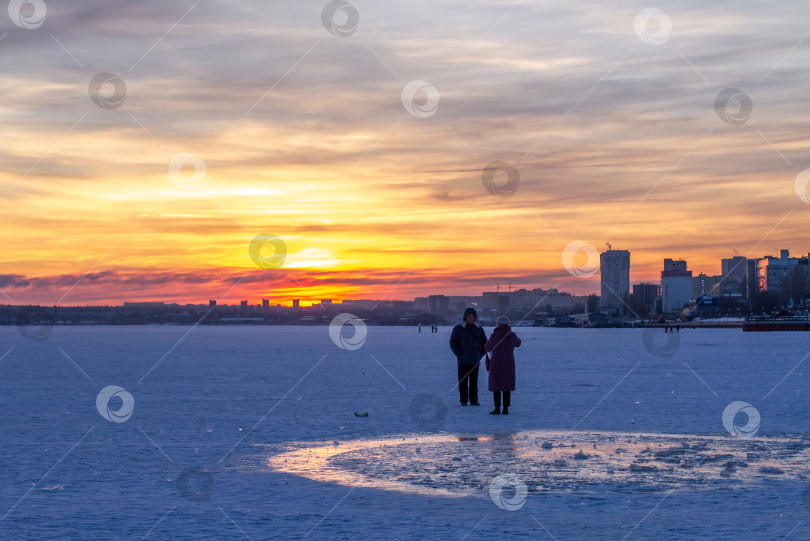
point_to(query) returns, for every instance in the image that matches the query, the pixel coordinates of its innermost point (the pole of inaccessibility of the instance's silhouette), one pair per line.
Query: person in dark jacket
(502, 344)
(467, 342)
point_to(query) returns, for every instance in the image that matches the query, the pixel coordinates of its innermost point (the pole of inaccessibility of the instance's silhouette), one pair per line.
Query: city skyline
(731, 276)
(391, 159)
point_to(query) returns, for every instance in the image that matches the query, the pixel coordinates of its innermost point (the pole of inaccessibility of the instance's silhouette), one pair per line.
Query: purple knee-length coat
(502, 345)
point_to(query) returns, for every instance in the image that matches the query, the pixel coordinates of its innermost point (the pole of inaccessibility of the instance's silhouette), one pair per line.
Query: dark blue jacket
(467, 343)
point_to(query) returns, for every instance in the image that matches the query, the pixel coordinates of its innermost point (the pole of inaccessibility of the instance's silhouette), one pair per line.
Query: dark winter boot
(505, 410)
(496, 411)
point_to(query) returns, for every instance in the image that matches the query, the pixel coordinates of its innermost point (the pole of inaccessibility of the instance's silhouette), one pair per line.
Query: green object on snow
(361, 413)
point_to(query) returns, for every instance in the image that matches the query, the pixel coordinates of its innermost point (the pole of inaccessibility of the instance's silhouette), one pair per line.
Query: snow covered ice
(251, 432)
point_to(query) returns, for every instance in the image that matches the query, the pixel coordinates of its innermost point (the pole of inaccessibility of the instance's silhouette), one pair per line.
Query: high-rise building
(703, 284)
(739, 276)
(676, 285)
(438, 303)
(642, 301)
(265, 303)
(615, 270)
(521, 299)
(772, 270)
(495, 300)
(646, 292)
(752, 278)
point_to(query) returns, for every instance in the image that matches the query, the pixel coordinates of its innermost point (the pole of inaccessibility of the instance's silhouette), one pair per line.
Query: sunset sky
(608, 116)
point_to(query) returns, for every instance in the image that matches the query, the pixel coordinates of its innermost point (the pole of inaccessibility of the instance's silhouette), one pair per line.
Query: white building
(676, 285)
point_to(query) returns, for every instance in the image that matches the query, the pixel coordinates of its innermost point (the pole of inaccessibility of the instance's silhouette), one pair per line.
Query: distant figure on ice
(420, 329)
(502, 344)
(467, 342)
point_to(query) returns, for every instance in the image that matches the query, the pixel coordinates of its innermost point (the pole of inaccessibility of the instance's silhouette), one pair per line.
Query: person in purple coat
(502, 345)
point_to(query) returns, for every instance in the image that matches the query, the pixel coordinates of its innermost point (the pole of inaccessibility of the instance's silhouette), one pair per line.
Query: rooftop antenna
(735, 251)
(608, 245)
(497, 288)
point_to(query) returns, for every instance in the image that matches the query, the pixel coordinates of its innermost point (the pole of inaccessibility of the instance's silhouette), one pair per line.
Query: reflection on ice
(546, 461)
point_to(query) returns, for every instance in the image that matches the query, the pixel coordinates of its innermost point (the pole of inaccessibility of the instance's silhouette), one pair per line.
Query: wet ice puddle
(547, 461)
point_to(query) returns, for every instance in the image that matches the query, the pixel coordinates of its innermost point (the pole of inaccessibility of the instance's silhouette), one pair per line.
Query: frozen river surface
(253, 433)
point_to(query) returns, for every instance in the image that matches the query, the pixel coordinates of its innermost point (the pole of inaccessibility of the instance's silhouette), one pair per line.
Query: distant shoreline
(686, 325)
